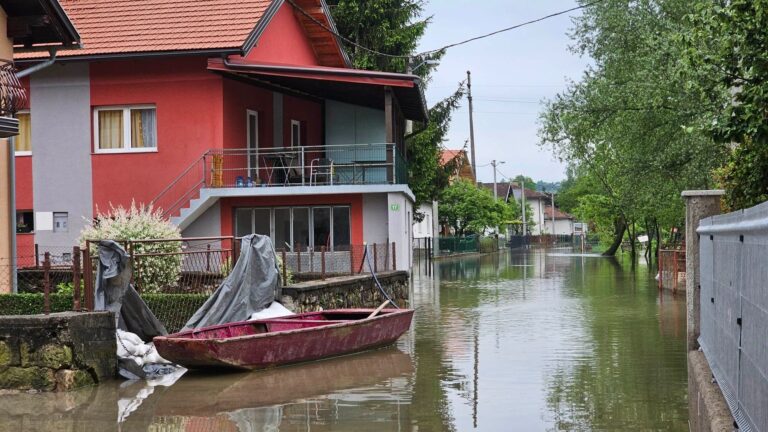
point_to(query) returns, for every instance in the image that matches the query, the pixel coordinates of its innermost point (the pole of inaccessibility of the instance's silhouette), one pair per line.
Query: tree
(527, 181)
(632, 126)
(727, 40)
(471, 210)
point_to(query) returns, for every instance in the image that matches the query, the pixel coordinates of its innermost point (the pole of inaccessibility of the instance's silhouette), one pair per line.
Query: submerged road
(544, 340)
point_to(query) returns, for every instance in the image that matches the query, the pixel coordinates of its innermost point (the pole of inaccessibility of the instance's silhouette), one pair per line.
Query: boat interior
(293, 322)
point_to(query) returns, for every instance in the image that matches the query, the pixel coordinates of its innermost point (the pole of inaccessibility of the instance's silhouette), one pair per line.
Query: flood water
(533, 341)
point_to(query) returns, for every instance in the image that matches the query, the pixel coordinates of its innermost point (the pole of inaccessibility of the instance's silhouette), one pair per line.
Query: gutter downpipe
(29, 71)
(12, 174)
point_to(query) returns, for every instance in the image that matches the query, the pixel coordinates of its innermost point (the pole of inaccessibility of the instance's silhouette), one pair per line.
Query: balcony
(359, 164)
(282, 171)
(12, 99)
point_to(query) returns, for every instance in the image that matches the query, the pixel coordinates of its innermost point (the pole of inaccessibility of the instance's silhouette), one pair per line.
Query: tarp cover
(115, 293)
(251, 286)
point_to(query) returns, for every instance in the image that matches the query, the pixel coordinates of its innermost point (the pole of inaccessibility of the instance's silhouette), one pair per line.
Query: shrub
(142, 223)
(32, 304)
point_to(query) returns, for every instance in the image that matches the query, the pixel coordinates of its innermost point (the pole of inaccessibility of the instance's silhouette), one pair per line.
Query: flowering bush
(141, 223)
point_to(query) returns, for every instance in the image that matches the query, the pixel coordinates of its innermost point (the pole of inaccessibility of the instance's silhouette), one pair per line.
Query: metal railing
(354, 164)
(12, 95)
(671, 269)
(734, 310)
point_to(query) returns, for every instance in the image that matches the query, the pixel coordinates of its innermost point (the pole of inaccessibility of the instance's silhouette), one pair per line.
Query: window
(23, 141)
(60, 222)
(125, 129)
(307, 227)
(25, 221)
(295, 133)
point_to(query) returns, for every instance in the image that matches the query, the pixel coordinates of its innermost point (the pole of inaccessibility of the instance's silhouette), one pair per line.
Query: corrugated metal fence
(734, 310)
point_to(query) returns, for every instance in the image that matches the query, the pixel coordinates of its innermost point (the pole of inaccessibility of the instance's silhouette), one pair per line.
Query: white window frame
(126, 129)
(23, 152)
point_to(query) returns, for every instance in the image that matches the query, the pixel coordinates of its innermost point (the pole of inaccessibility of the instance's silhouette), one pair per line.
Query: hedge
(173, 310)
(31, 304)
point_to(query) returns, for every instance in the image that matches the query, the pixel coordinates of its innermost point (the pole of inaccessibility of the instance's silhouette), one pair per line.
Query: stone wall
(707, 409)
(358, 291)
(57, 352)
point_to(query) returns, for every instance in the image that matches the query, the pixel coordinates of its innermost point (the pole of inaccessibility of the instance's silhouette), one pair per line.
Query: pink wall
(284, 41)
(189, 122)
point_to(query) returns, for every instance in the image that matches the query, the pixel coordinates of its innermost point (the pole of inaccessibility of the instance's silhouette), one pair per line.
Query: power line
(445, 47)
(517, 26)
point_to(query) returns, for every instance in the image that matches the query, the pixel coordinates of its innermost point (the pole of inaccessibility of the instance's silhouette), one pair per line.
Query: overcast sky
(511, 73)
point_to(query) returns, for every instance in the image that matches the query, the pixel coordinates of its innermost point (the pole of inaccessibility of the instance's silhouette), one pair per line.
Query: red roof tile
(139, 26)
(449, 155)
(558, 214)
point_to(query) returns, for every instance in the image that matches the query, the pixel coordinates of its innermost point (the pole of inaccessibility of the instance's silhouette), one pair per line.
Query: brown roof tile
(139, 26)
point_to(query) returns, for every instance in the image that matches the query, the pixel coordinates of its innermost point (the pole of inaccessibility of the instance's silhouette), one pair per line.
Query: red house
(233, 116)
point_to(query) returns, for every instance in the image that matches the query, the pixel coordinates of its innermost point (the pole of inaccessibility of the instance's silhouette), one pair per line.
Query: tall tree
(633, 123)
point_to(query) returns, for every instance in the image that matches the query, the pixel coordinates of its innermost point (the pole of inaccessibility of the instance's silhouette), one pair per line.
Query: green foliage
(471, 210)
(389, 26)
(141, 223)
(426, 177)
(32, 304)
(632, 129)
(727, 42)
(527, 181)
(67, 288)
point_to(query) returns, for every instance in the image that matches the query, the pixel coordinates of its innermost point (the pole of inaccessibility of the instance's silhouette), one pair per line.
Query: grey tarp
(251, 286)
(115, 293)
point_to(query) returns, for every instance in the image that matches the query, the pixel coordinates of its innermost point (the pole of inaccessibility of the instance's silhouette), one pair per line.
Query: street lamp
(429, 62)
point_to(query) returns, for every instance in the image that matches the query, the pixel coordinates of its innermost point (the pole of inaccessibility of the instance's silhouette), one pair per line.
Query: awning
(358, 87)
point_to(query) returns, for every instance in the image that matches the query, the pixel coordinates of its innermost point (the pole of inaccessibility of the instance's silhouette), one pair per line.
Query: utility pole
(471, 124)
(494, 164)
(522, 196)
(553, 213)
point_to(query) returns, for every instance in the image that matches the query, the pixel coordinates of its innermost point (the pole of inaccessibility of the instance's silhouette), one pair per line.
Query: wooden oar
(378, 309)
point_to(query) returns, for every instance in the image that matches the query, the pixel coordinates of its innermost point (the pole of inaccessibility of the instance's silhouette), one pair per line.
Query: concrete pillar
(699, 204)
(7, 206)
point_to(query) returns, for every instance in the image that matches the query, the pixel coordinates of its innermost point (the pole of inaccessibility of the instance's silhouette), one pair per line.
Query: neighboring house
(563, 222)
(233, 116)
(461, 168)
(27, 25)
(503, 189)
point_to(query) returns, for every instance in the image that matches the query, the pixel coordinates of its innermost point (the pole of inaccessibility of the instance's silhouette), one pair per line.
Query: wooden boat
(274, 342)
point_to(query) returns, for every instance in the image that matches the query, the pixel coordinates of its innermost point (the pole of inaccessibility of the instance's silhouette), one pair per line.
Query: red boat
(274, 342)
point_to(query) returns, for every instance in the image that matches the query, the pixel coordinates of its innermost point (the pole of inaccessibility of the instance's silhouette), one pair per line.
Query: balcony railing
(332, 165)
(12, 95)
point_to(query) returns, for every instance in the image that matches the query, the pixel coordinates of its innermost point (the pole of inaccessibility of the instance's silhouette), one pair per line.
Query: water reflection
(541, 340)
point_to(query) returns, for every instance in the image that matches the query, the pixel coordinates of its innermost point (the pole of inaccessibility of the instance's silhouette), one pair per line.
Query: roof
(449, 155)
(529, 193)
(360, 87)
(121, 28)
(32, 23)
(502, 188)
(558, 214)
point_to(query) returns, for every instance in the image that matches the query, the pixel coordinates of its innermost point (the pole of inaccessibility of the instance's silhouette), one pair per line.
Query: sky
(511, 74)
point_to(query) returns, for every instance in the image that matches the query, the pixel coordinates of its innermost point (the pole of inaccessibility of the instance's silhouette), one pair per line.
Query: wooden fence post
(298, 258)
(375, 259)
(394, 257)
(76, 278)
(88, 277)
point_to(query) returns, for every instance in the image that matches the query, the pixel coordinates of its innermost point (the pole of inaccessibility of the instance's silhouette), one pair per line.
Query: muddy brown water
(515, 341)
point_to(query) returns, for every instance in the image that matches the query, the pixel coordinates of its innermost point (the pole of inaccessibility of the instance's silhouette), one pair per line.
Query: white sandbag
(275, 310)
